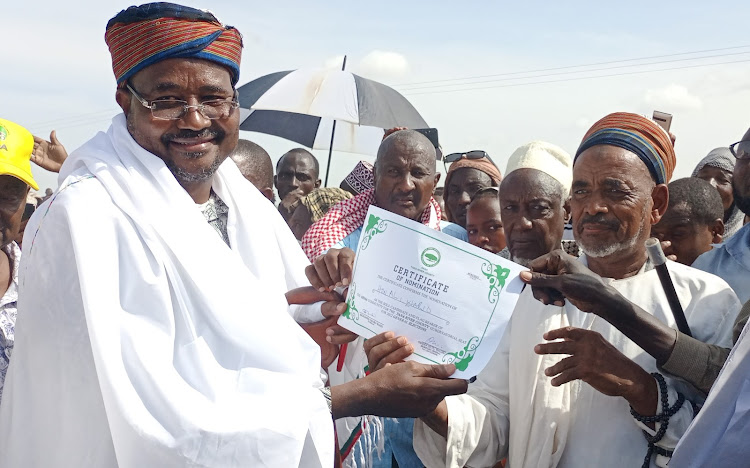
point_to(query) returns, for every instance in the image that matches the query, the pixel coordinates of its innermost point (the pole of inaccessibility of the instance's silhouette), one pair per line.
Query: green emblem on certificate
(430, 257)
(450, 299)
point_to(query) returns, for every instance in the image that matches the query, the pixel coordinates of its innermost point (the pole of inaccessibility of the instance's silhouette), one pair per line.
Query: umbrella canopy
(313, 132)
(333, 94)
(310, 106)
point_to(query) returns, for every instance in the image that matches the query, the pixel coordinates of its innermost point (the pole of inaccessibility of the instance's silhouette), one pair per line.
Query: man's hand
(386, 349)
(291, 199)
(332, 269)
(666, 246)
(310, 295)
(404, 390)
(595, 361)
(338, 335)
(49, 155)
(558, 276)
(393, 130)
(333, 306)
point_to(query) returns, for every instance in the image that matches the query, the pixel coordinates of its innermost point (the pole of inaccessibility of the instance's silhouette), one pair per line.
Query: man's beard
(743, 203)
(204, 174)
(521, 261)
(182, 175)
(600, 251)
(190, 177)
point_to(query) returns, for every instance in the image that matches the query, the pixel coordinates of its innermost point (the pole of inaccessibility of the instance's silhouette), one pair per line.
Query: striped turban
(639, 135)
(144, 35)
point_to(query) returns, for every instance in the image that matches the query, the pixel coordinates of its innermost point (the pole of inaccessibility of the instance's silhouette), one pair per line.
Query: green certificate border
(495, 274)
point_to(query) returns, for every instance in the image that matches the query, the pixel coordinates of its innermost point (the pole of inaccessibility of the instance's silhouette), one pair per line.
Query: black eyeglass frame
(733, 150)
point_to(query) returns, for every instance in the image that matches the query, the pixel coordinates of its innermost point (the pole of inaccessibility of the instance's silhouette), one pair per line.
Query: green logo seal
(3, 133)
(430, 257)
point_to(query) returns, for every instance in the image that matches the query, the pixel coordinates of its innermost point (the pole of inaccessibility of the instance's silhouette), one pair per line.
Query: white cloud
(673, 98)
(383, 64)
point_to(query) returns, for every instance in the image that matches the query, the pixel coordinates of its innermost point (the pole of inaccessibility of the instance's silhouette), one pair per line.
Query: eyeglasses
(476, 154)
(175, 109)
(741, 149)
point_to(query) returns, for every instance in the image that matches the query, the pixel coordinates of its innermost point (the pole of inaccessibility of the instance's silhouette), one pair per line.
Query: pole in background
(333, 133)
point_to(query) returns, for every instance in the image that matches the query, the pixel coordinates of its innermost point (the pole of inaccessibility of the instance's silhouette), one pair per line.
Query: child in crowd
(483, 223)
(693, 221)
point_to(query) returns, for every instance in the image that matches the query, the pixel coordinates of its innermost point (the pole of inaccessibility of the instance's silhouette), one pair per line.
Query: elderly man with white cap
(533, 200)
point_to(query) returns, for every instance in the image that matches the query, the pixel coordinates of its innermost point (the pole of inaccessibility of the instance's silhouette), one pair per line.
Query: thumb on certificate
(438, 371)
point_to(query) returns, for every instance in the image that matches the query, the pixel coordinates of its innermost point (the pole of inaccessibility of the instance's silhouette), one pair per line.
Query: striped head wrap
(144, 35)
(639, 135)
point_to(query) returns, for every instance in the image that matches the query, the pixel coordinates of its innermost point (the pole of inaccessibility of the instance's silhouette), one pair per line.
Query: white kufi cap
(545, 157)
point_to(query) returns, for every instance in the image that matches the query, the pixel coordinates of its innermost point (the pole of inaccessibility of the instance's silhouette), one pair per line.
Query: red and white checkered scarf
(346, 217)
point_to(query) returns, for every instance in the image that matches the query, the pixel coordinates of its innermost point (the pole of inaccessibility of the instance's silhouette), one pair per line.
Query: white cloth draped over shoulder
(718, 436)
(144, 340)
(512, 409)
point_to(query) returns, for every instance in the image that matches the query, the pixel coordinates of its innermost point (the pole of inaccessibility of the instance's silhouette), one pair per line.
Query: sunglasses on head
(741, 149)
(476, 154)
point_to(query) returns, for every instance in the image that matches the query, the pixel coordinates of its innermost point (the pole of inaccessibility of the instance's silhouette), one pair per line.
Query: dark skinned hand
(332, 269)
(333, 306)
(410, 389)
(333, 303)
(558, 276)
(595, 361)
(50, 154)
(385, 349)
(393, 130)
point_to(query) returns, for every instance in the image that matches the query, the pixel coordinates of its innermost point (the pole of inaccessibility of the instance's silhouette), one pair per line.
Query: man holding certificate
(565, 388)
(405, 178)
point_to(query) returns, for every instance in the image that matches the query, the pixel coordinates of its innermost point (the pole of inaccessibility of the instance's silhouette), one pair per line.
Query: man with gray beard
(563, 380)
(533, 200)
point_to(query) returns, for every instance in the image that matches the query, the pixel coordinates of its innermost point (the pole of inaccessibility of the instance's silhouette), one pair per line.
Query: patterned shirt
(216, 213)
(8, 314)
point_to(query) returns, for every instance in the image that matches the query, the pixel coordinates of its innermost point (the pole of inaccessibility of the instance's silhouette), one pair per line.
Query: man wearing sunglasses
(469, 172)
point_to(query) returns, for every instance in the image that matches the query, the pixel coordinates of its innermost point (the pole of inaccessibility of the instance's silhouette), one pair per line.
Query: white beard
(607, 250)
(522, 261)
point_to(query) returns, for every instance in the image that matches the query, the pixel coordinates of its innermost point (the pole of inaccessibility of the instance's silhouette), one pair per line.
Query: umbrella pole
(333, 133)
(330, 150)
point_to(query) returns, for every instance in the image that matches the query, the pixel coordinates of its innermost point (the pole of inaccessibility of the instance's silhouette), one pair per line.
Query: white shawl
(144, 340)
(718, 435)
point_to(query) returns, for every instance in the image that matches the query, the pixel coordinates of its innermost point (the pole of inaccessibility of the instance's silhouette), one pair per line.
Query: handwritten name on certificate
(451, 300)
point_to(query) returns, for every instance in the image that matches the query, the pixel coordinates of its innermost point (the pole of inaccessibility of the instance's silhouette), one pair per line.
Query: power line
(572, 66)
(578, 71)
(81, 119)
(575, 78)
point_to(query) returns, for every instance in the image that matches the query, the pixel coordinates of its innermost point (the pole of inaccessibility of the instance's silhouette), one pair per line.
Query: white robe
(143, 340)
(513, 411)
(718, 435)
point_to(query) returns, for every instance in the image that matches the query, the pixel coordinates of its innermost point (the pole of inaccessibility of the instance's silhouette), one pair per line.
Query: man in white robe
(539, 410)
(154, 329)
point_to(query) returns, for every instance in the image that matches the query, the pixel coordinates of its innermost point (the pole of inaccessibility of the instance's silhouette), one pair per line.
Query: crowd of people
(168, 310)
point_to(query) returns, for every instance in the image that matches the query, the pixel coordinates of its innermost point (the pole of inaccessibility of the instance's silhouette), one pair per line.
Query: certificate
(451, 300)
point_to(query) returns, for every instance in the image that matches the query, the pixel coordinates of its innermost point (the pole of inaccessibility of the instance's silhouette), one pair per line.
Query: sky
(463, 65)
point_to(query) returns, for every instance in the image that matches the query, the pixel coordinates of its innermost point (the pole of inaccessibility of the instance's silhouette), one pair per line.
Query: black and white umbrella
(306, 105)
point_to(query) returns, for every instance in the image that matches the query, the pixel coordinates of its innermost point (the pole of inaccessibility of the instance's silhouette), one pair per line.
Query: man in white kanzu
(565, 388)
(153, 327)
